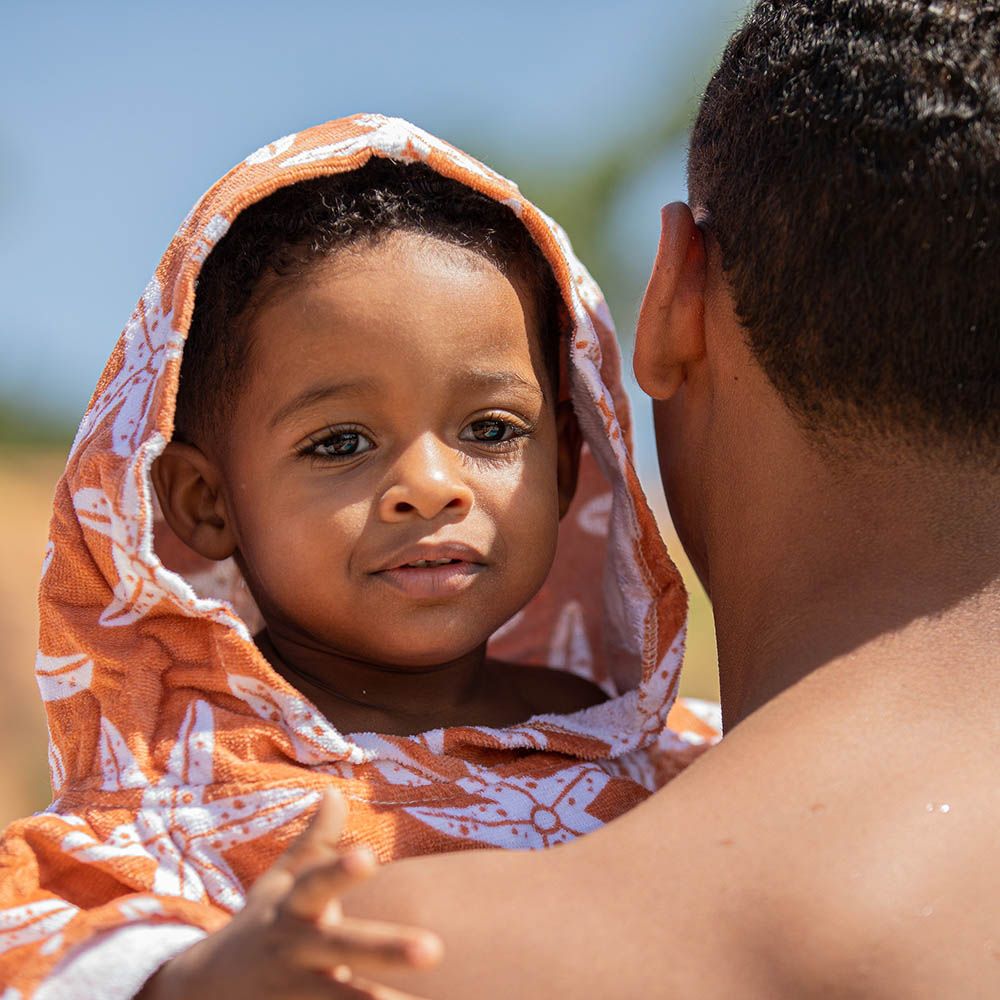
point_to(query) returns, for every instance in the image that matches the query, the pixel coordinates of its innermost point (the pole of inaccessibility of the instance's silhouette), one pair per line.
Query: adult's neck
(890, 564)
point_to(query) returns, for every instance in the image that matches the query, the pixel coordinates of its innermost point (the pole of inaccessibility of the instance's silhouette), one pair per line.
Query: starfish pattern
(50, 551)
(397, 139)
(57, 767)
(522, 812)
(137, 589)
(177, 826)
(61, 677)
(142, 580)
(570, 647)
(148, 342)
(271, 150)
(32, 922)
(315, 741)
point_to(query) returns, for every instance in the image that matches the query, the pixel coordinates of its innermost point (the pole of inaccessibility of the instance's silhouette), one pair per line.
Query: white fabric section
(116, 964)
(710, 712)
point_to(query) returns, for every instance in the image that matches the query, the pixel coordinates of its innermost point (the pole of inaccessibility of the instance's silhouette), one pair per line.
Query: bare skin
(390, 483)
(840, 842)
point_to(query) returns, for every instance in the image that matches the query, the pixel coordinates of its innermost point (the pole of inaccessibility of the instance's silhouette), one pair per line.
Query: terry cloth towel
(182, 765)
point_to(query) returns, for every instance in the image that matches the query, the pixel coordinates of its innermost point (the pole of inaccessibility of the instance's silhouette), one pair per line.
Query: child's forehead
(406, 300)
(409, 283)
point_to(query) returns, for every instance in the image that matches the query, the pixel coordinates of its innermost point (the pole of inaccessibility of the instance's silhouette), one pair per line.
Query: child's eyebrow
(318, 393)
(493, 379)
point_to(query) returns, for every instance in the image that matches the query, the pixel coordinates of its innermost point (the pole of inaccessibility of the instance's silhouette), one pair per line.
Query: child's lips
(432, 581)
(432, 570)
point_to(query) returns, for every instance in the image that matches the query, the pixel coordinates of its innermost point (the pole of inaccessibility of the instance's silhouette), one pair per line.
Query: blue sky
(115, 117)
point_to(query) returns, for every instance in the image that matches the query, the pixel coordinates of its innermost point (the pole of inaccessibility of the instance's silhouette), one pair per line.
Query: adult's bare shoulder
(863, 858)
(822, 848)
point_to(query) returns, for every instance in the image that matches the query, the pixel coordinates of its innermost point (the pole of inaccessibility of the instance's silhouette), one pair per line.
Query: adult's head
(840, 293)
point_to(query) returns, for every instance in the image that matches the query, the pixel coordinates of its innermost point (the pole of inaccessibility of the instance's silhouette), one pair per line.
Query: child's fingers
(323, 884)
(318, 841)
(369, 945)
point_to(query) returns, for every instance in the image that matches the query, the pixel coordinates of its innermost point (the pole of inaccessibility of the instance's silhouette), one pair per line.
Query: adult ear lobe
(671, 329)
(187, 484)
(570, 444)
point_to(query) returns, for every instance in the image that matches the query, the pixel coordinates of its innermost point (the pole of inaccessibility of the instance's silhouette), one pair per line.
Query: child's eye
(339, 444)
(492, 430)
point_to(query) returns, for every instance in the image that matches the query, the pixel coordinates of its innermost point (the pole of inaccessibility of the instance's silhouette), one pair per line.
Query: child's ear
(570, 441)
(188, 486)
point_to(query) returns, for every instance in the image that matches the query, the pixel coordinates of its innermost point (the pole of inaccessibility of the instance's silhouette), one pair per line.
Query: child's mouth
(431, 578)
(433, 575)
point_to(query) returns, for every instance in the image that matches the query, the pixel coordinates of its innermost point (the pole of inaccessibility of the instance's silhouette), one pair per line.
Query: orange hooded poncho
(182, 764)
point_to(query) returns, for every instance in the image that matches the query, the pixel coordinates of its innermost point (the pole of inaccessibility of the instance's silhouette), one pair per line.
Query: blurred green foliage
(23, 425)
(582, 197)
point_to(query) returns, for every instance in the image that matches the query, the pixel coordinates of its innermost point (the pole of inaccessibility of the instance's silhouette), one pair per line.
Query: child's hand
(291, 940)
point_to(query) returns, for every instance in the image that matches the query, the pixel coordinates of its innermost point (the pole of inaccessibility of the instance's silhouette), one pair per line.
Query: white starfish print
(142, 581)
(118, 765)
(399, 140)
(147, 342)
(522, 812)
(57, 768)
(211, 233)
(183, 830)
(50, 551)
(315, 741)
(570, 647)
(31, 922)
(271, 150)
(61, 677)
(137, 590)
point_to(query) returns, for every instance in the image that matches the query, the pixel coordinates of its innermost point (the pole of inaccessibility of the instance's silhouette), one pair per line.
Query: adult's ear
(570, 443)
(671, 329)
(189, 489)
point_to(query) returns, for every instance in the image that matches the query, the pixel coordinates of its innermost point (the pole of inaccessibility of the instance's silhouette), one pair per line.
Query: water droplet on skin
(945, 808)
(927, 910)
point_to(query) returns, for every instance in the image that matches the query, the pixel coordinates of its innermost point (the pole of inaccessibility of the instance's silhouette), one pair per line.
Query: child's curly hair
(287, 233)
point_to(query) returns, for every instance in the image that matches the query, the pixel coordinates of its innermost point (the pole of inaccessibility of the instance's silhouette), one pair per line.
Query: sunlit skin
(838, 841)
(398, 413)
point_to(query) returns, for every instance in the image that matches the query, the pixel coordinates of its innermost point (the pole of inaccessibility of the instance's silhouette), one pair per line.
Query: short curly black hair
(846, 157)
(287, 233)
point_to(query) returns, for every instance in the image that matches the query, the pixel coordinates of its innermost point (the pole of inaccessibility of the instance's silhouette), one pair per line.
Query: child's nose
(427, 480)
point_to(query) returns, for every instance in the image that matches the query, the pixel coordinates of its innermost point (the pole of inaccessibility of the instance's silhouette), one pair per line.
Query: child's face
(397, 412)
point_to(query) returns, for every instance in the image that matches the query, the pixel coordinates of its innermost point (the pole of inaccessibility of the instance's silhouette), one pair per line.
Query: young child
(396, 379)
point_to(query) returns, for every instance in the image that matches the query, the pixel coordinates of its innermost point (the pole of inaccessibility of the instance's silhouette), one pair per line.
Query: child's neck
(361, 696)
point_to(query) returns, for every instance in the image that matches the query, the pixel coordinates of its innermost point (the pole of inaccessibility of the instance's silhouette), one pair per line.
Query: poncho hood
(128, 612)
(182, 763)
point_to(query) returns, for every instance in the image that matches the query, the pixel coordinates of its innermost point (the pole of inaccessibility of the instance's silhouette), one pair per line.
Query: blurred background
(115, 117)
